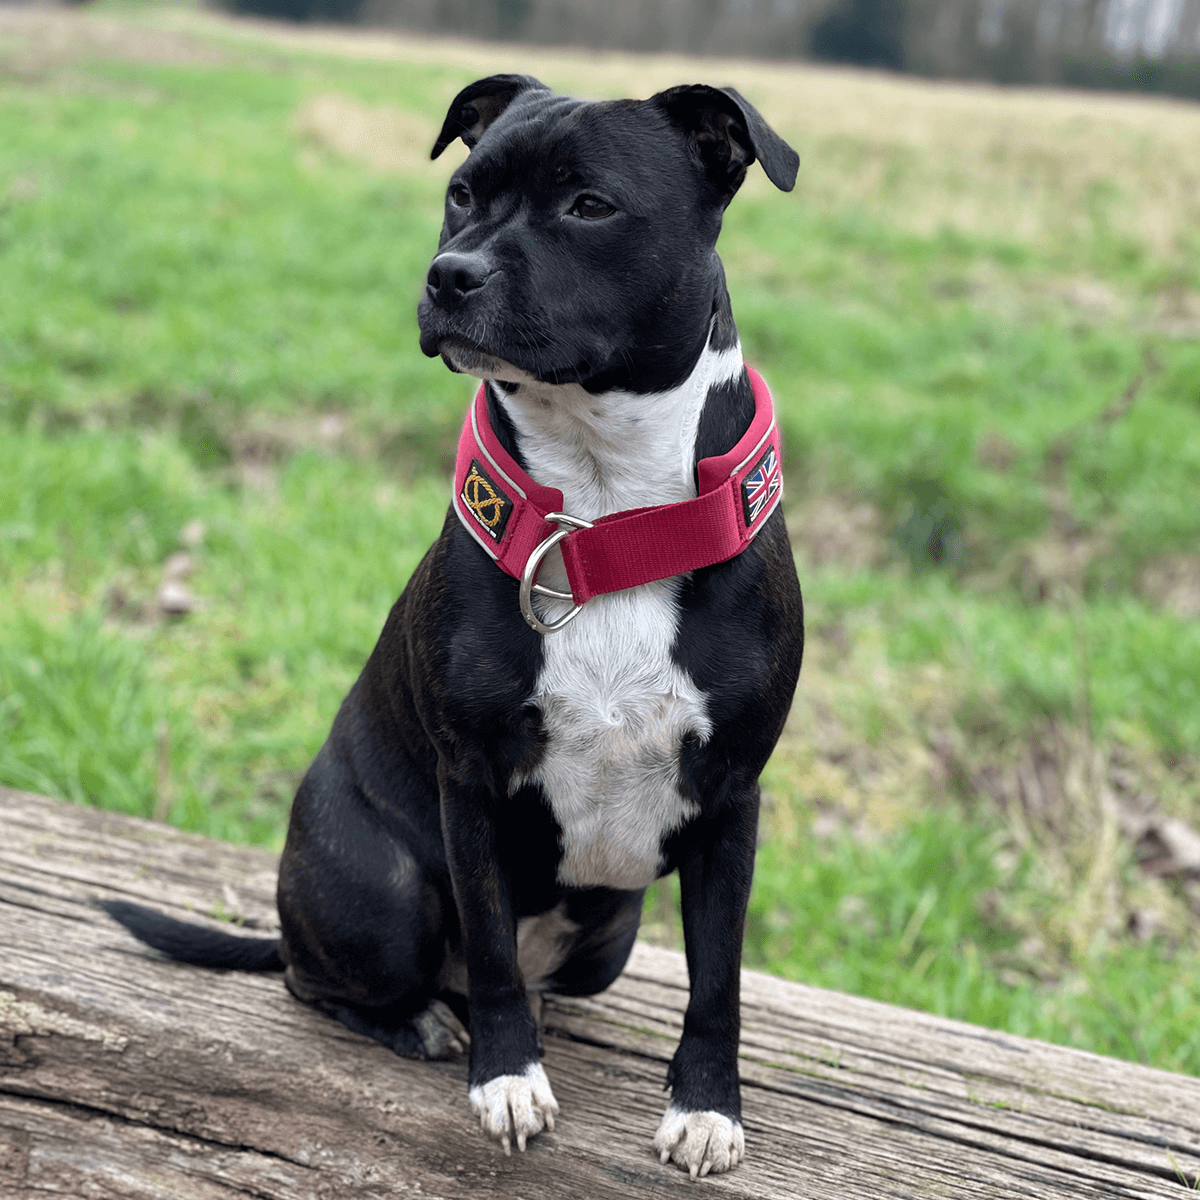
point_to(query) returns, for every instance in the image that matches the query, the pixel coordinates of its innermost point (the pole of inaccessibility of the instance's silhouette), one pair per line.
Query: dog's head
(578, 243)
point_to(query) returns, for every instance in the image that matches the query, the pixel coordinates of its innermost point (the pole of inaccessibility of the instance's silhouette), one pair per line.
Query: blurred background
(222, 453)
(1147, 45)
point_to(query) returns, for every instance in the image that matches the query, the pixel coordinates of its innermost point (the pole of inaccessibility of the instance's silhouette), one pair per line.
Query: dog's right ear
(478, 105)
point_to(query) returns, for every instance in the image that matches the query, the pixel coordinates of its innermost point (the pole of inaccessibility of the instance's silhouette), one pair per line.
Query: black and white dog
(493, 800)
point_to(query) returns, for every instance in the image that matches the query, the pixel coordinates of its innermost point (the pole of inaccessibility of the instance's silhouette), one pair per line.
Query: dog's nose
(452, 276)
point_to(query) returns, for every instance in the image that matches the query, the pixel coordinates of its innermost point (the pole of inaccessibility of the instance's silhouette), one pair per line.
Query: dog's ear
(478, 105)
(729, 134)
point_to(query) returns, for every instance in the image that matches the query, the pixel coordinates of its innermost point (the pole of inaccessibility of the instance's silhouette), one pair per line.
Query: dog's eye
(459, 196)
(592, 209)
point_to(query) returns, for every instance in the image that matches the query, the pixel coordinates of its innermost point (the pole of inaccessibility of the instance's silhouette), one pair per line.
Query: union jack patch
(485, 500)
(761, 486)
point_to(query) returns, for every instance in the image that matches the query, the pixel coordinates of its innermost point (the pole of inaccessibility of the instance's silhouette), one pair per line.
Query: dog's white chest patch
(615, 708)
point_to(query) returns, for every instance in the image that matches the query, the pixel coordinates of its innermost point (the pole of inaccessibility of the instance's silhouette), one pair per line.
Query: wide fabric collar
(517, 520)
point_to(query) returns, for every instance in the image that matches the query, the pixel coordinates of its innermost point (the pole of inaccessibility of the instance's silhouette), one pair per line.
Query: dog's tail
(195, 944)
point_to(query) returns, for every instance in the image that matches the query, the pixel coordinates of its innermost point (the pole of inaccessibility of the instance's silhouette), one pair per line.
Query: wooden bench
(122, 1075)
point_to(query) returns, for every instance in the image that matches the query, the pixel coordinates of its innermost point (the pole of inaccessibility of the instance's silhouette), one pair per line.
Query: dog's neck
(615, 450)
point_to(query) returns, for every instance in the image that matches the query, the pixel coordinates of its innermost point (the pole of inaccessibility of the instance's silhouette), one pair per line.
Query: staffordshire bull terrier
(577, 690)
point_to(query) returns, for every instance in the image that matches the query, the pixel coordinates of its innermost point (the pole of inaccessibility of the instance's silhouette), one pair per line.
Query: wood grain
(122, 1075)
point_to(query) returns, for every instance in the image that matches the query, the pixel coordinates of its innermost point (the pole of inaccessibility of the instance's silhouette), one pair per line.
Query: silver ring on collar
(529, 585)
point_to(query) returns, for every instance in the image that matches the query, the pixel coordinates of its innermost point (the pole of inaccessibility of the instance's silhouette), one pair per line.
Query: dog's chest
(615, 706)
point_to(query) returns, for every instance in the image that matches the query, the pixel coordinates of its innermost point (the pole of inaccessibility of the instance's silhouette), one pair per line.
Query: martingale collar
(517, 520)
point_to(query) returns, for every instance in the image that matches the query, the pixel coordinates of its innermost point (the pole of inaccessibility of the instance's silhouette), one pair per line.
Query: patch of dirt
(1092, 298)
(1046, 567)
(35, 38)
(1174, 583)
(996, 452)
(384, 137)
(832, 531)
(1178, 313)
(271, 438)
(268, 440)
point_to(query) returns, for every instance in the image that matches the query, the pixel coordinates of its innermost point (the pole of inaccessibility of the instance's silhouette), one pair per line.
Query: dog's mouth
(469, 359)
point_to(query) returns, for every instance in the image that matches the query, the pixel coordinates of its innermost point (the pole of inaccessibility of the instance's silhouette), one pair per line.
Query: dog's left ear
(729, 134)
(478, 105)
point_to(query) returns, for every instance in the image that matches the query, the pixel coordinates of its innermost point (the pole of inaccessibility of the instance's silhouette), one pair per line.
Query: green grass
(912, 919)
(295, 585)
(179, 263)
(208, 342)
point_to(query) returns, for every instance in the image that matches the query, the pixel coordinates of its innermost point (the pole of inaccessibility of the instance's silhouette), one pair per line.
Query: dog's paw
(515, 1107)
(440, 1032)
(700, 1141)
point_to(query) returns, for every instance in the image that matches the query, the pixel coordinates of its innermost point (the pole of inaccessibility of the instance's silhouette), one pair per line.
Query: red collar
(517, 520)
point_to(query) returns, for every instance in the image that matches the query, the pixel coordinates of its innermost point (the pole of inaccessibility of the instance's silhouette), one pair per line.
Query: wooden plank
(122, 1075)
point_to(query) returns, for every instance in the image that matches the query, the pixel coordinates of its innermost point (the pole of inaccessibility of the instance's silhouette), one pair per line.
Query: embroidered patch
(761, 486)
(488, 504)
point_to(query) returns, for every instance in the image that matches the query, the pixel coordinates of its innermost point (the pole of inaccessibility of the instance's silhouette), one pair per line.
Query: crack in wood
(94, 1112)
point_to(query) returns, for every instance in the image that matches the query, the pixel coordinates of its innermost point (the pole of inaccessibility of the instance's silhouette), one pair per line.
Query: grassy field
(980, 313)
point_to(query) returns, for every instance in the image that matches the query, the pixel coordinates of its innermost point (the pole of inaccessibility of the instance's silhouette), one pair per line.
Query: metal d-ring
(529, 574)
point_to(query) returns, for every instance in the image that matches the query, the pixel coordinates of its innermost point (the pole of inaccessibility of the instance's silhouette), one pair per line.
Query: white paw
(700, 1141)
(515, 1106)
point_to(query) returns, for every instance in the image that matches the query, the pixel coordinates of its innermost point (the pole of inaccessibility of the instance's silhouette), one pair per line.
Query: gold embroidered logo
(486, 502)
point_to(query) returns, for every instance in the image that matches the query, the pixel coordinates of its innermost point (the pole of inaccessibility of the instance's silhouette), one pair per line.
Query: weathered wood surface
(122, 1075)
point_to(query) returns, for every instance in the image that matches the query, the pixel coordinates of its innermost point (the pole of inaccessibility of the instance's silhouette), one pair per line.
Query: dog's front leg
(702, 1128)
(508, 1087)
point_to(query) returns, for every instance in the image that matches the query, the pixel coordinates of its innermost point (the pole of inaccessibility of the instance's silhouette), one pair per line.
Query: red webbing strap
(641, 545)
